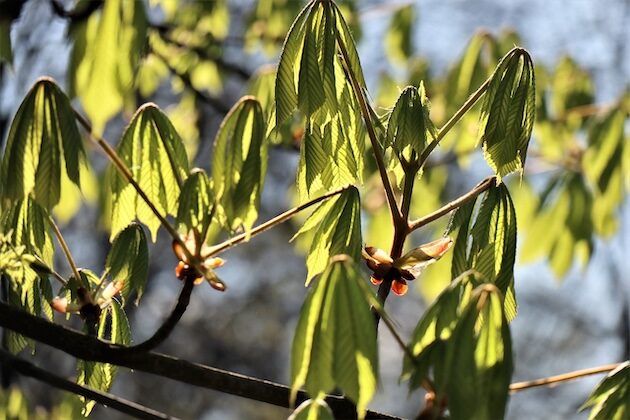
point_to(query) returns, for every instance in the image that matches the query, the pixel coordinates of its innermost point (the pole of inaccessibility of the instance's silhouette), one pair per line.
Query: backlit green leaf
(239, 163)
(316, 409)
(610, 400)
(507, 116)
(337, 227)
(156, 156)
(128, 260)
(43, 146)
(335, 340)
(398, 39)
(196, 203)
(104, 60)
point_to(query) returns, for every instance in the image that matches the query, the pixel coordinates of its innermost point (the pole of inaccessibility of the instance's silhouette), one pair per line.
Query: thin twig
(378, 152)
(124, 406)
(65, 248)
(470, 102)
(89, 348)
(565, 377)
(271, 223)
(470, 195)
(167, 326)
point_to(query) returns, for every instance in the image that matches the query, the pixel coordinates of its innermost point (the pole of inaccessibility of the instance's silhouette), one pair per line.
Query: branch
(565, 377)
(85, 347)
(124, 406)
(471, 195)
(167, 326)
(378, 153)
(470, 102)
(270, 223)
(65, 248)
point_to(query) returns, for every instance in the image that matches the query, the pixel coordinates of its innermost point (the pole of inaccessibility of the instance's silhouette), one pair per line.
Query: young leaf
(196, 203)
(239, 163)
(507, 115)
(337, 225)
(128, 260)
(156, 156)
(43, 146)
(335, 339)
(610, 400)
(478, 368)
(106, 52)
(410, 129)
(489, 245)
(101, 376)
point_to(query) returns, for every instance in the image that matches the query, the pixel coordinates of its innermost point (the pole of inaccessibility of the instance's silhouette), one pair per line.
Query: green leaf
(315, 409)
(100, 376)
(337, 227)
(410, 129)
(239, 163)
(107, 49)
(6, 54)
(478, 368)
(335, 339)
(196, 203)
(398, 41)
(610, 400)
(156, 156)
(487, 245)
(507, 115)
(43, 146)
(571, 86)
(128, 260)
(286, 83)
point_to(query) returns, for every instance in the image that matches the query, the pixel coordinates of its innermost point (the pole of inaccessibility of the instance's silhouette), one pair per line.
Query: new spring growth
(185, 269)
(406, 268)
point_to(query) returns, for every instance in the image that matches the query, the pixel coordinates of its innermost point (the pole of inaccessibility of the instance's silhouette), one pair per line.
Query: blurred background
(572, 314)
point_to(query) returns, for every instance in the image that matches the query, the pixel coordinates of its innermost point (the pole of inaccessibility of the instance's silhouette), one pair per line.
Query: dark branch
(128, 407)
(167, 327)
(84, 347)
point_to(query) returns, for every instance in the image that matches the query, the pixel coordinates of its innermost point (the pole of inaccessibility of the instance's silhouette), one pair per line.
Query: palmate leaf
(410, 129)
(478, 364)
(100, 376)
(488, 245)
(154, 152)
(337, 227)
(610, 400)
(239, 163)
(43, 146)
(335, 339)
(507, 115)
(128, 261)
(106, 52)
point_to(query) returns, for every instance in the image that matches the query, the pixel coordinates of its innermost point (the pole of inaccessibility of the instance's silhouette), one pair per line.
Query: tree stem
(565, 377)
(65, 248)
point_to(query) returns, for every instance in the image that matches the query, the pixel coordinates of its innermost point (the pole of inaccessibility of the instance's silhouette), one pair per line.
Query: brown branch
(271, 223)
(471, 195)
(85, 347)
(565, 377)
(124, 406)
(167, 326)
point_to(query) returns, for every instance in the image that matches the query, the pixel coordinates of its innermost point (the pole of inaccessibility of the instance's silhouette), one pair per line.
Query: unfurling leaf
(196, 203)
(488, 245)
(410, 129)
(507, 116)
(337, 227)
(239, 163)
(155, 154)
(610, 400)
(43, 146)
(128, 260)
(335, 340)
